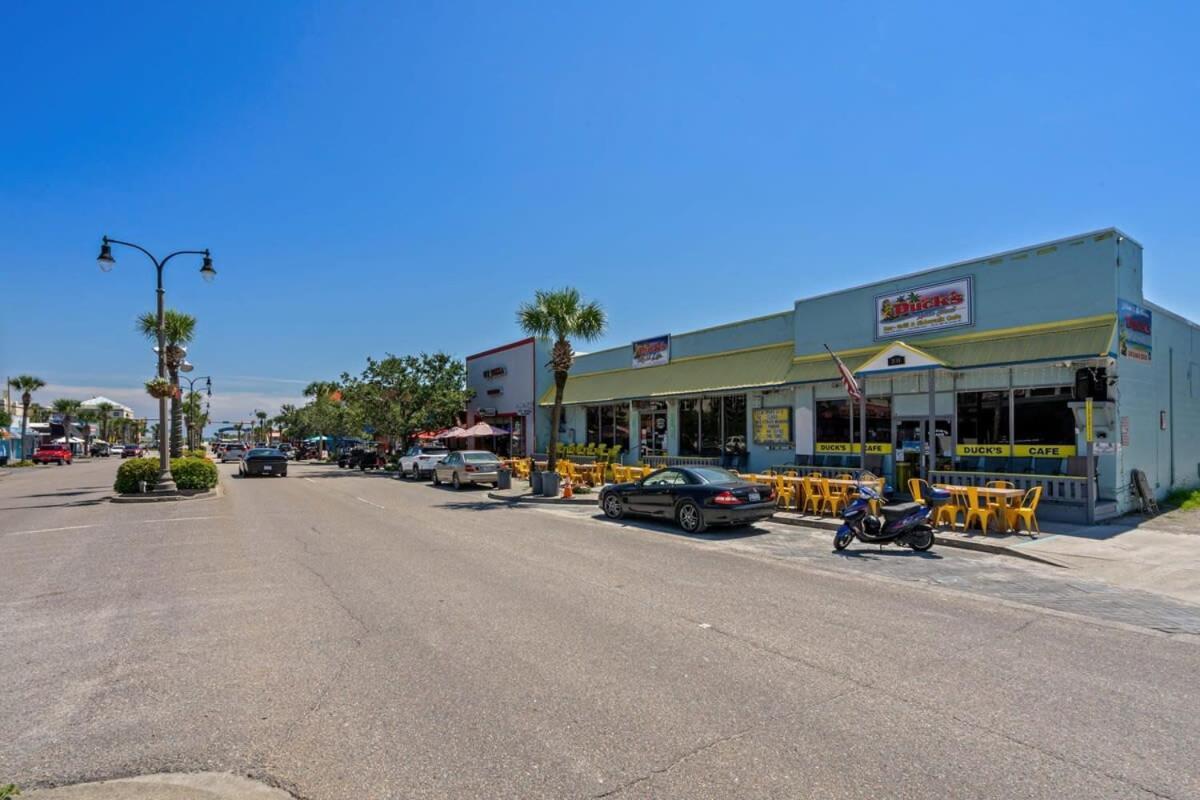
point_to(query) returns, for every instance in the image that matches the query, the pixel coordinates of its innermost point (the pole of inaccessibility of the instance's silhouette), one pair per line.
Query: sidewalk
(520, 493)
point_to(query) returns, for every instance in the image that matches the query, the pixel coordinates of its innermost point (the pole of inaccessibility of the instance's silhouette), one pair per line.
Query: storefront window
(1042, 416)
(733, 423)
(833, 421)
(707, 423)
(983, 417)
(608, 425)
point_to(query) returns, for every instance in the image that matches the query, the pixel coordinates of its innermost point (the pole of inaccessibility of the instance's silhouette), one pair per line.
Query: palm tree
(179, 329)
(26, 385)
(192, 416)
(87, 416)
(562, 315)
(104, 413)
(262, 425)
(69, 410)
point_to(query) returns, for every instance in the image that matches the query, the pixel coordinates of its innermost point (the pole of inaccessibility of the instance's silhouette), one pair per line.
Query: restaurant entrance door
(654, 433)
(911, 440)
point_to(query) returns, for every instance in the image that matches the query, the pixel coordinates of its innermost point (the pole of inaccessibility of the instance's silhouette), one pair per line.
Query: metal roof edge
(965, 262)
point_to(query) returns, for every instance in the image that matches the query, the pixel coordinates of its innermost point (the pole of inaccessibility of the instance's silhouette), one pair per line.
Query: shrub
(134, 470)
(194, 473)
(199, 452)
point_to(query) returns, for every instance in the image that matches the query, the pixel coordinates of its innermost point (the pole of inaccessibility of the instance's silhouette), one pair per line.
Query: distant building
(119, 411)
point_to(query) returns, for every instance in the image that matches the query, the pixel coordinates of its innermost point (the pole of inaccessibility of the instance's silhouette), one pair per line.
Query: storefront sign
(1044, 450)
(990, 450)
(924, 309)
(772, 425)
(652, 352)
(853, 448)
(1135, 331)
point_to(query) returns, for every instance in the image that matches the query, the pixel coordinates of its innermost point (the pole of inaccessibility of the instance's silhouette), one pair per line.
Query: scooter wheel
(922, 540)
(842, 539)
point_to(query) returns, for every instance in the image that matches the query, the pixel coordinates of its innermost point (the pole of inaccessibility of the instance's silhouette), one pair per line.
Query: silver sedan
(467, 466)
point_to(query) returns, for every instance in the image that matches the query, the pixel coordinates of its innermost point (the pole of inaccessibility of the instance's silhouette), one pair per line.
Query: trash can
(504, 479)
(535, 482)
(549, 484)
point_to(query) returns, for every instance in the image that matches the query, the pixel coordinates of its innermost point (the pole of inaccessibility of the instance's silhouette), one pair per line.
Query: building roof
(98, 399)
(774, 366)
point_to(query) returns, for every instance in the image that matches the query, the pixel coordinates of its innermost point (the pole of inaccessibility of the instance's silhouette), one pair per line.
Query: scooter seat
(899, 511)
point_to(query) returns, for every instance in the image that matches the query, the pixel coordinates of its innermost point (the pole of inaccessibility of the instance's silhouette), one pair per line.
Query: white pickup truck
(417, 462)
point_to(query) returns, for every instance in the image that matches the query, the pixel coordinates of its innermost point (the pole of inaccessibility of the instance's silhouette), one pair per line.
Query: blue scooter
(904, 524)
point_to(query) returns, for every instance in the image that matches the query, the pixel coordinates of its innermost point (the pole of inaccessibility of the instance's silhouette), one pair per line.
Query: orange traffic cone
(567, 490)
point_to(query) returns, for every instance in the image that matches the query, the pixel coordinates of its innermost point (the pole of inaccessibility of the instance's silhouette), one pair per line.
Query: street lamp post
(166, 483)
(191, 388)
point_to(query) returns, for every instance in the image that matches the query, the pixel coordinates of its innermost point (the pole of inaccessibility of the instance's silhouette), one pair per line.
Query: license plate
(266, 468)
(755, 497)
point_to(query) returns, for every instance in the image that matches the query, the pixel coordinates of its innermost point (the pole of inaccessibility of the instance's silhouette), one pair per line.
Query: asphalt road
(351, 636)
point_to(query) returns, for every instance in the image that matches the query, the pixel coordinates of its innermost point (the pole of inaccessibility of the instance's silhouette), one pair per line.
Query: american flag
(847, 377)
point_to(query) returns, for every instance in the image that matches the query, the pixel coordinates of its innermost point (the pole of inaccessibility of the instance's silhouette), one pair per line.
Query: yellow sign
(852, 448)
(1091, 428)
(983, 450)
(1044, 450)
(772, 425)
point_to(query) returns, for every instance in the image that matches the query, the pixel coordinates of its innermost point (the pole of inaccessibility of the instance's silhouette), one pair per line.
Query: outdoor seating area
(999, 506)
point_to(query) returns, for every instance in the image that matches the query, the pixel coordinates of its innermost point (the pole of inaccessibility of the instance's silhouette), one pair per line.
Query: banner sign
(1019, 451)
(772, 425)
(652, 352)
(924, 309)
(1135, 330)
(853, 448)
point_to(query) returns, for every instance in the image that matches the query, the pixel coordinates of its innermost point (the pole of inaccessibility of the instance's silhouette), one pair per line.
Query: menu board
(772, 425)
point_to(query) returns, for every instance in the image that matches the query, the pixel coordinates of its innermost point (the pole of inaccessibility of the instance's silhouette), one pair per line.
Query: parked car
(100, 449)
(694, 497)
(365, 458)
(233, 452)
(467, 466)
(58, 453)
(132, 451)
(418, 461)
(287, 450)
(263, 461)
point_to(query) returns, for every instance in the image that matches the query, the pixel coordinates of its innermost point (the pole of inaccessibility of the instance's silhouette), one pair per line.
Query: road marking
(182, 519)
(368, 502)
(310, 480)
(50, 530)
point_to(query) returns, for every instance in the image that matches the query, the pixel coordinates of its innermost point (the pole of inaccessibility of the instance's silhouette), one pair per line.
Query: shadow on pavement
(84, 490)
(94, 502)
(888, 551)
(717, 535)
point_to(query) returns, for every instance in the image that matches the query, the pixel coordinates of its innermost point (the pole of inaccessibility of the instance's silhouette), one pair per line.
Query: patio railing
(1055, 488)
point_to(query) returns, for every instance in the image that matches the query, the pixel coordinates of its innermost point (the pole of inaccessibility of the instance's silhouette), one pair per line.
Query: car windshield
(262, 451)
(479, 457)
(433, 451)
(715, 475)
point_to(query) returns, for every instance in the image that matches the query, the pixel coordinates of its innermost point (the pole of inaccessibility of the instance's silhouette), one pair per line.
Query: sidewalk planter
(549, 484)
(535, 482)
(504, 479)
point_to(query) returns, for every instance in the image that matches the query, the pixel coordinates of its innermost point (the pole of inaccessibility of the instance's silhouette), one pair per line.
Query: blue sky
(391, 177)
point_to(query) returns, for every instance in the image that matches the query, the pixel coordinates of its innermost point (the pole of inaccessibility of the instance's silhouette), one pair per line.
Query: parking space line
(48, 530)
(368, 502)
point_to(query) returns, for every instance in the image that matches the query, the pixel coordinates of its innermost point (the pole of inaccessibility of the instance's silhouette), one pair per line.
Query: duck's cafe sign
(923, 309)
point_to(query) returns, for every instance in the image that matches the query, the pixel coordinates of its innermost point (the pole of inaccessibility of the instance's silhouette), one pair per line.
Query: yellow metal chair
(998, 502)
(948, 513)
(812, 494)
(830, 498)
(978, 510)
(915, 487)
(785, 493)
(1027, 512)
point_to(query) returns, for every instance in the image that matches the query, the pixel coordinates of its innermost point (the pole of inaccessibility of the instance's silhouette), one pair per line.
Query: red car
(58, 453)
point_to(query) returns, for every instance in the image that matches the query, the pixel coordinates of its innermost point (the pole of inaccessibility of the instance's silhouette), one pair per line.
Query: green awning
(1085, 341)
(747, 369)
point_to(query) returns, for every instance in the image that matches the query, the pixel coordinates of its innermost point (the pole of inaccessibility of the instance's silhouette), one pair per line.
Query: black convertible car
(695, 497)
(263, 461)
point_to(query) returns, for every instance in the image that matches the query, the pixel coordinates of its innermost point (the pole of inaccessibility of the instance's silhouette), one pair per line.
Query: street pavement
(345, 635)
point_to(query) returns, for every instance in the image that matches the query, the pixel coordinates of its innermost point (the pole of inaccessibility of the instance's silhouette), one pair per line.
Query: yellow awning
(773, 365)
(744, 369)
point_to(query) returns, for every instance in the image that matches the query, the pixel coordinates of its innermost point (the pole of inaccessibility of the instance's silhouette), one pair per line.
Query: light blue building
(984, 369)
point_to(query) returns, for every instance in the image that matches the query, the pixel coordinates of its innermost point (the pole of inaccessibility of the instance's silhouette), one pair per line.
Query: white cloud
(230, 405)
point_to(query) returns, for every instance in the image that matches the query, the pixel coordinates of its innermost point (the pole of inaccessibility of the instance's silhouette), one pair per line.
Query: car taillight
(770, 495)
(727, 499)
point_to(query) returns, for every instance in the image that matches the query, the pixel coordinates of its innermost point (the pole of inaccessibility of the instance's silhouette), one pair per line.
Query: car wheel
(437, 479)
(60, 462)
(455, 482)
(689, 517)
(283, 474)
(416, 472)
(612, 506)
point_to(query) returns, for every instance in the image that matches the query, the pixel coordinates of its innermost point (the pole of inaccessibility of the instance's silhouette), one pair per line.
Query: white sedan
(419, 460)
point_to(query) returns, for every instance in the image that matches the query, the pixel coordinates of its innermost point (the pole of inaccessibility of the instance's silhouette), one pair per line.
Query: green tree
(401, 395)
(104, 414)
(26, 385)
(180, 329)
(5, 418)
(194, 417)
(560, 315)
(69, 410)
(262, 434)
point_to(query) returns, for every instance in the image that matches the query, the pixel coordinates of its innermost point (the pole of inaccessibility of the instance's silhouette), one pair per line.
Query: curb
(174, 498)
(538, 500)
(167, 786)
(938, 539)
